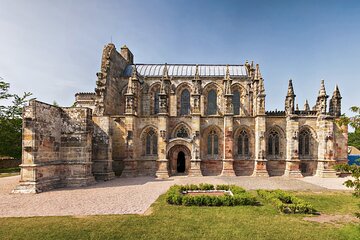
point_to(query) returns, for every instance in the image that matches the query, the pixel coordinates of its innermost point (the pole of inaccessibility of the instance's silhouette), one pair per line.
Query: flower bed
(233, 195)
(286, 202)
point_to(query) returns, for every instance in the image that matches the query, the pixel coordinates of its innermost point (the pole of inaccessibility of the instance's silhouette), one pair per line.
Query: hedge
(176, 196)
(286, 202)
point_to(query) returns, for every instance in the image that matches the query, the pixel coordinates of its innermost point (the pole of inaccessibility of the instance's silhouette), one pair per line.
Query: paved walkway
(131, 195)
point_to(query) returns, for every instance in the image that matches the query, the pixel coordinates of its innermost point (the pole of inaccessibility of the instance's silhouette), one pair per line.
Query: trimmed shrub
(175, 195)
(286, 202)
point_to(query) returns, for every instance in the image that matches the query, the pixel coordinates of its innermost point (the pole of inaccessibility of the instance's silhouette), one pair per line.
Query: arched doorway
(181, 162)
(179, 159)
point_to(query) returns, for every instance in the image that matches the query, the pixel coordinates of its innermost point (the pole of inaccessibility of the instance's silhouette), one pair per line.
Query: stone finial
(290, 91)
(227, 73)
(261, 86)
(257, 73)
(197, 75)
(134, 73)
(130, 87)
(297, 107)
(306, 106)
(322, 91)
(165, 72)
(336, 93)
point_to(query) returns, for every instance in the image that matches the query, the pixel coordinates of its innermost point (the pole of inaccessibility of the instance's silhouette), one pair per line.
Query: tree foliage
(10, 121)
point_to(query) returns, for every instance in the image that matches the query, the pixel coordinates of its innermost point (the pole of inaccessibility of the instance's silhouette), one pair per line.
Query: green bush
(240, 197)
(286, 202)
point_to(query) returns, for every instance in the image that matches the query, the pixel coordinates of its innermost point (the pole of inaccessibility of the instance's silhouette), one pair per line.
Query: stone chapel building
(168, 119)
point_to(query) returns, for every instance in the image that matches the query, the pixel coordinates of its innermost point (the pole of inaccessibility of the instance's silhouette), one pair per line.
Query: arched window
(304, 142)
(156, 102)
(182, 133)
(185, 103)
(236, 102)
(213, 143)
(212, 103)
(273, 143)
(151, 143)
(243, 143)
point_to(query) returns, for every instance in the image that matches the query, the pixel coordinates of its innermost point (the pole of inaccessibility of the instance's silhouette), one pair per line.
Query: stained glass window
(182, 133)
(151, 143)
(304, 142)
(212, 103)
(273, 143)
(185, 103)
(243, 143)
(236, 102)
(213, 143)
(156, 102)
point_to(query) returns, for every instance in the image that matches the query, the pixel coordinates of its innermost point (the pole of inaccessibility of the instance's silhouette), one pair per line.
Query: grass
(180, 222)
(7, 172)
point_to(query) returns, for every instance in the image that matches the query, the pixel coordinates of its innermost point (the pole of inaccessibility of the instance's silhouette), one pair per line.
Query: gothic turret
(290, 99)
(335, 103)
(259, 91)
(321, 99)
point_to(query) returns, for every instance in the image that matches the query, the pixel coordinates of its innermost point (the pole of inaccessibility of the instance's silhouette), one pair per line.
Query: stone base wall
(276, 167)
(147, 167)
(308, 167)
(211, 167)
(244, 167)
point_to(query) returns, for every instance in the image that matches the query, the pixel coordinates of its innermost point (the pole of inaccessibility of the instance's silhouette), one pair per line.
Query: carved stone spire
(306, 106)
(290, 99)
(321, 99)
(196, 91)
(297, 107)
(335, 103)
(261, 86)
(257, 73)
(164, 89)
(228, 95)
(130, 98)
(165, 73)
(227, 81)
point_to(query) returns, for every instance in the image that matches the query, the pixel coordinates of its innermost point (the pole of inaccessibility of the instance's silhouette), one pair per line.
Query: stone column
(162, 161)
(326, 162)
(228, 161)
(260, 160)
(292, 168)
(195, 162)
(130, 163)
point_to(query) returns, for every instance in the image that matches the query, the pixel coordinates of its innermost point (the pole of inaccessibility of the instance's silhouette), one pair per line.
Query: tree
(10, 121)
(354, 169)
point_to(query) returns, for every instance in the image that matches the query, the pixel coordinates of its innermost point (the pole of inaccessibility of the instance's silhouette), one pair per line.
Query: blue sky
(53, 48)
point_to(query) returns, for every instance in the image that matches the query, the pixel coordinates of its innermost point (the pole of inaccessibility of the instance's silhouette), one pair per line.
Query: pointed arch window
(213, 143)
(182, 133)
(236, 102)
(273, 143)
(151, 143)
(212, 102)
(243, 143)
(304, 142)
(185, 103)
(156, 102)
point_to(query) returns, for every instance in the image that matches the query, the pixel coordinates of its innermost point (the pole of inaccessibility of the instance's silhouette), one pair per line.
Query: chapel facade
(170, 119)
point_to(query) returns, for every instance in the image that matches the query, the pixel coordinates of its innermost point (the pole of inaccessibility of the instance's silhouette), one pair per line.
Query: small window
(304, 142)
(182, 133)
(151, 143)
(236, 102)
(156, 102)
(273, 143)
(213, 143)
(243, 143)
(212, 103)
(185, 103)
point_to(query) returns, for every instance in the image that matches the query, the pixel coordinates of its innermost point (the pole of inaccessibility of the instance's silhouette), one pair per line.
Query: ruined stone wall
(56, 145)
(108, 92)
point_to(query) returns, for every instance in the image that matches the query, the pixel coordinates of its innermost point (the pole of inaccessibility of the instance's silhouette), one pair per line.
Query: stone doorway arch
(179, 159)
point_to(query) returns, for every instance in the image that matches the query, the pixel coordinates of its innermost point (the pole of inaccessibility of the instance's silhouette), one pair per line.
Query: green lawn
(179, 222)
(7, 172)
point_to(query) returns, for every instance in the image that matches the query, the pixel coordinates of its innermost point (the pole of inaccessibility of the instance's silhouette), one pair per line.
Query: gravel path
(129, 195)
